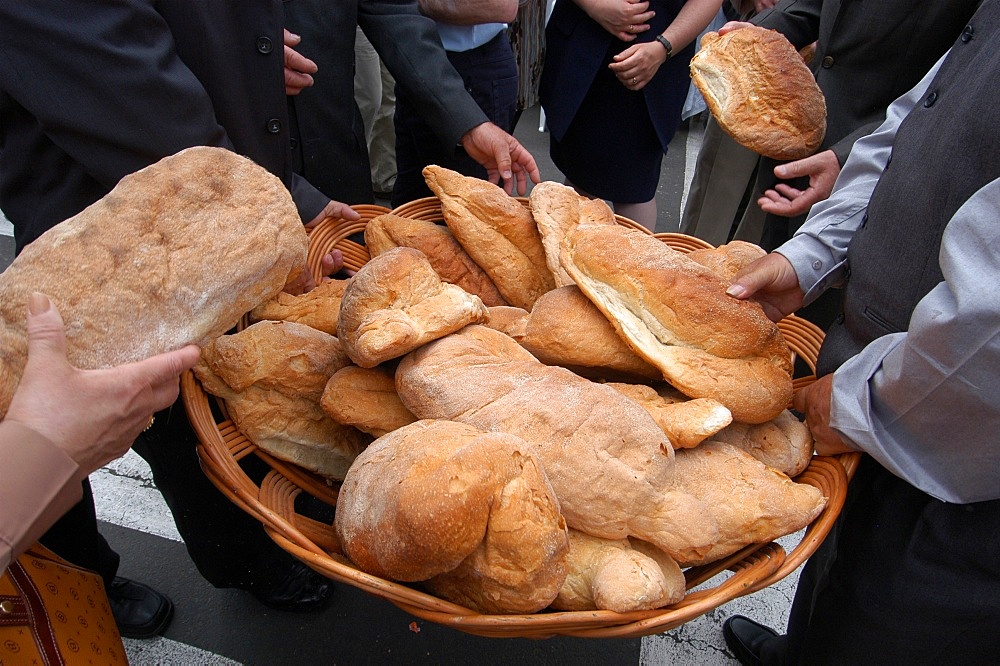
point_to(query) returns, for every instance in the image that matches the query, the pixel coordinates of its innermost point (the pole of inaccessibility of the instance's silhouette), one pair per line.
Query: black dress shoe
(139, 610)
(744, 638)
(302, 590)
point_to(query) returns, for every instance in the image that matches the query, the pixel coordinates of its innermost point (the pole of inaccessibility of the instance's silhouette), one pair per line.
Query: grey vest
(945, 150)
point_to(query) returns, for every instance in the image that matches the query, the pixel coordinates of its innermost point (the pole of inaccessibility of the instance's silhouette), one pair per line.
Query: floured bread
(438, 244)
(609, 574)
(566, 329)
(288, 426)
(729, 259)
(395, 303)
(365, 398)
(763, 506)
(761, 92)
(687, 422)
(286, 356)
(507, 319)
(675, 313)
(175, 254)
(497, 232)
(783, 443)
(422, 499)
(557, 209)
(609, 463)
(318, 308)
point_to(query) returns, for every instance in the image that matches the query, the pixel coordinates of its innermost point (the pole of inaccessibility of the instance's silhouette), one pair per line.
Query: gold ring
(633, 80)
(150, 424)
(631, 28)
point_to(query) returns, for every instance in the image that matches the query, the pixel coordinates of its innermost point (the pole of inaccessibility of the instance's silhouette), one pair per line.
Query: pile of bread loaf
(529, 407)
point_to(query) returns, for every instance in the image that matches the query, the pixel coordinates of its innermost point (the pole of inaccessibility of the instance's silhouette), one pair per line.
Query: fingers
(333, 262)
(162, 372)
(46, 331)
(734, 25)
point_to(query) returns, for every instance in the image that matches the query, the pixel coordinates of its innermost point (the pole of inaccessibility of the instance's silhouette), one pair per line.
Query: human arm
(63, 423)
(470, 12)
(636, 65)
(622, 18)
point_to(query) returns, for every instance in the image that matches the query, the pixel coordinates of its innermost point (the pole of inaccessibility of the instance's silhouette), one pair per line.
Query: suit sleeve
(409, 44)
(797, 20)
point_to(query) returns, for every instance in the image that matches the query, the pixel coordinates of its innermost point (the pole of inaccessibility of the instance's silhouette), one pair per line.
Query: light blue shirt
(924, 403)
(458, 38)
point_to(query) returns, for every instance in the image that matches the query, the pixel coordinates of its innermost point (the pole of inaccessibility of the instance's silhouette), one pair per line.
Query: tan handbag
(53, 612)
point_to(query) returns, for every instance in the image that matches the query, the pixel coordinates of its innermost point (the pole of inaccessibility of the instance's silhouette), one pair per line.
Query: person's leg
(644, 213)
(367, 81)
(382, 145)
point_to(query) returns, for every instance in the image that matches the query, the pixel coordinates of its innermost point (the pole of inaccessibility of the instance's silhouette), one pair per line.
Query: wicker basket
(273, 501)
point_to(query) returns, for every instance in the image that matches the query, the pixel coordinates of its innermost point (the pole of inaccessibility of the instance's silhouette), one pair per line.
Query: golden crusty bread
(175, 254)
(687, 422)
(438, 244)
(288, 425)
(365, 398)
(557, 209)
(421, 499)
(764, 505)
(507, 319)
(761, 92)
(282, 355)
(609, 463)
(318, 308)
(610, 574)
(395, 303)
(783, 443)
(566, 329)
(729, 259)
(497, 231)
(675, 313)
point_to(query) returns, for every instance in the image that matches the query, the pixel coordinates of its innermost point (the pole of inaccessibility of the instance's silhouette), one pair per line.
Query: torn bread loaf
(397, 302)
(175, 254)
(557, 209)
(687, 422)
(675, 313)
(497, 231)
(783, 443)
(318, 308)
(761, 92)
(438, 244)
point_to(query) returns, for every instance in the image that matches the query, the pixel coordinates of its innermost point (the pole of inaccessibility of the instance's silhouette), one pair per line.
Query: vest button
(827, 62)
(840, 318)
(264, 45)
(273, 126)
(967, 34)
(931, 98)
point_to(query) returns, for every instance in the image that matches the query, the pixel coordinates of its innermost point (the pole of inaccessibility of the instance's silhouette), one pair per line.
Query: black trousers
(905, 578)
(490, 76)
(229, 547)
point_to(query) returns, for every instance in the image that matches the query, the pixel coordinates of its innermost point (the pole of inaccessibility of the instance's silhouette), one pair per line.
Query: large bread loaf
(175, 254)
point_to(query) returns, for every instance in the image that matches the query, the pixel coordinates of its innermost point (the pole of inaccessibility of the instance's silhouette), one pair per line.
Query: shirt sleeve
(924, 402)
(38, 484)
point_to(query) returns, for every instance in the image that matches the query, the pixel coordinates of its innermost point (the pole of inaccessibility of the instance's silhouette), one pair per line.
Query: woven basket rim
(222, 446)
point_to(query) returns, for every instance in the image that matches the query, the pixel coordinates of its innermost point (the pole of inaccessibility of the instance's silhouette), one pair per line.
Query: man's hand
(298, 68)
(771, 281)
(622, 18)
(333, 261)
(814, 402)
(502, 155)
(734, 25)
(787, 201)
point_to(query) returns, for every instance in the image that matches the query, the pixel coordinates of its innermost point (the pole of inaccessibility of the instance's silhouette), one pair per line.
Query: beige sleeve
(38, 484)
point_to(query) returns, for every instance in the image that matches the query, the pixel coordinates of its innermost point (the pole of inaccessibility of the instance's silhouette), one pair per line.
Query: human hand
(636, 65)
(787, 201)
(333, 261)
(734, 25)
(771, 281)
(761, 5)
(814, 402)
(93, 415)
(298, 68)
(622, 18)
(503, 156)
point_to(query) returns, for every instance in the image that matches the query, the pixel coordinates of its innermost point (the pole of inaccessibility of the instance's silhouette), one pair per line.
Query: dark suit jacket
(575, 49)
(90, 92)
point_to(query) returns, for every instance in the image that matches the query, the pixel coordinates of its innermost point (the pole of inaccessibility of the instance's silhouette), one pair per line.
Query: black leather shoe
(302, 590)
(744, 638)
(139, 610)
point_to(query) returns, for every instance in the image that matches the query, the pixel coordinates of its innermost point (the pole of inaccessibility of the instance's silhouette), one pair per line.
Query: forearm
(38, 484)
(693, 18)
(922, 402)
(470, 12)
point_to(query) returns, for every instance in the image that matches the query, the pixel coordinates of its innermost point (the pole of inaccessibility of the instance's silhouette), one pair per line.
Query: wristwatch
(666, 44)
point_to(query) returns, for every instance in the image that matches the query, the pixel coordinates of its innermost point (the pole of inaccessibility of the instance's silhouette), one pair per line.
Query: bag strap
(36, 616)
